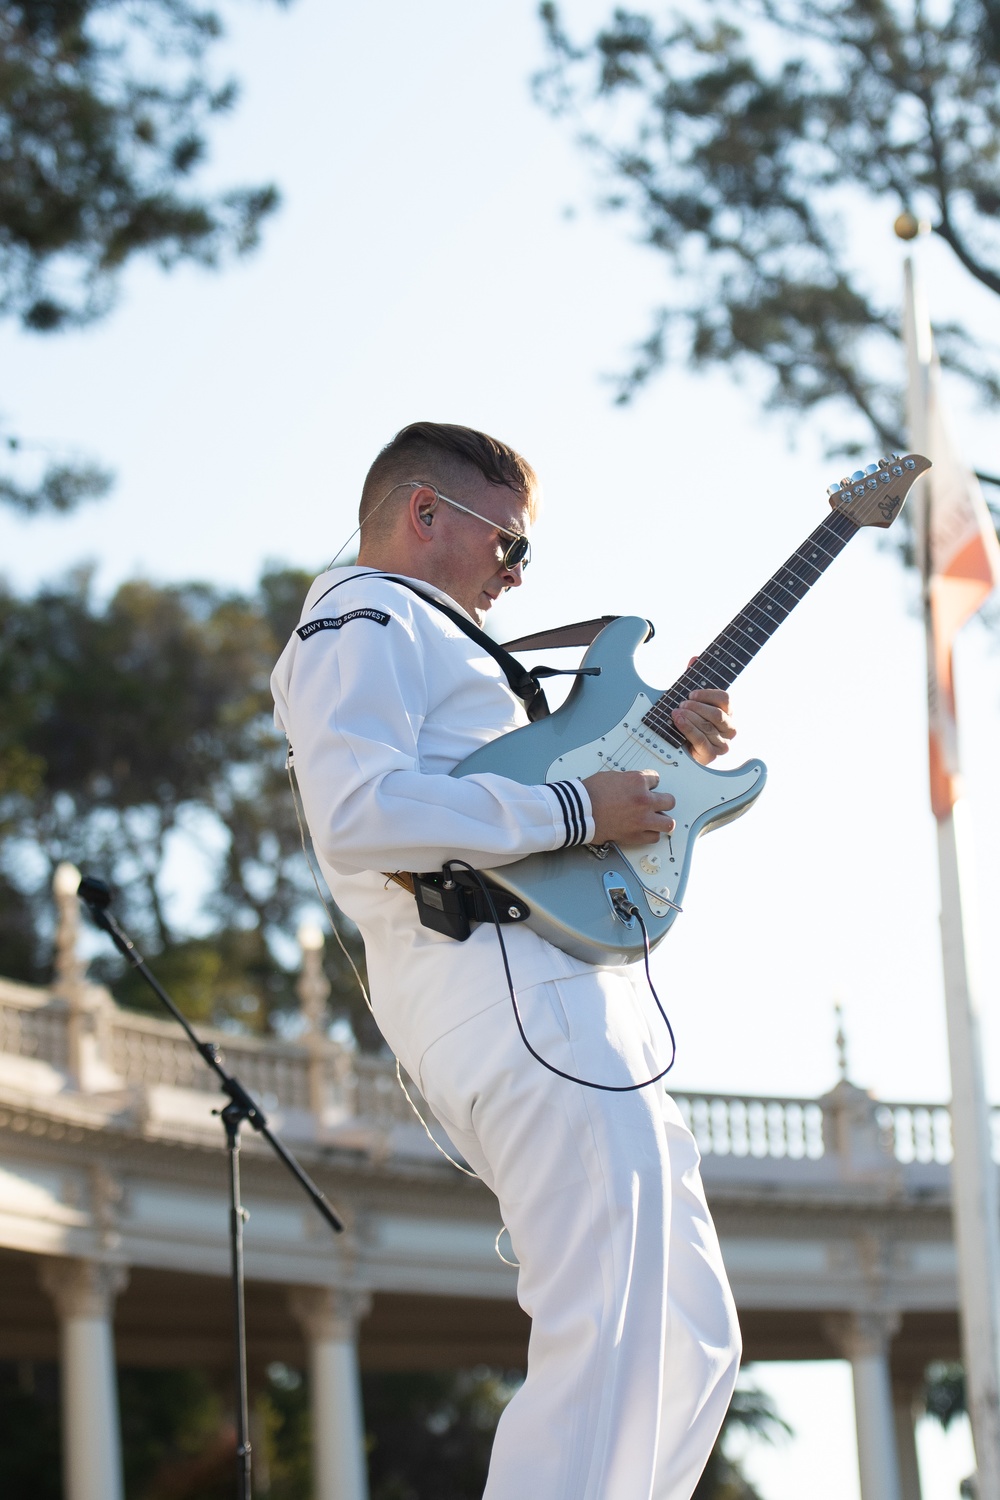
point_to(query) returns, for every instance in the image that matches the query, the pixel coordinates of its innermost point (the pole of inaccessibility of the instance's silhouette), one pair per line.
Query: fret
(737, 645)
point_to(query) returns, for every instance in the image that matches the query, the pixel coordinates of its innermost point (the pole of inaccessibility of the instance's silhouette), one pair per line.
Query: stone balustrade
(142, 1053)
(834, 1216)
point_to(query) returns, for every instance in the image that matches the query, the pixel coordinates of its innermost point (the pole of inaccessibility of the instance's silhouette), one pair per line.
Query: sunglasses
(518, 549)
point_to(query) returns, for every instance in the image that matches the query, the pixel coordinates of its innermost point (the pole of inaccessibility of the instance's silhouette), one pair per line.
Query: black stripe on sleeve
(557, 787)
(574, 791)
(572, 806)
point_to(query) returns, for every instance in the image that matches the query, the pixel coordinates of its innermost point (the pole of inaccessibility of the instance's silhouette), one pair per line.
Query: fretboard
(738, 644)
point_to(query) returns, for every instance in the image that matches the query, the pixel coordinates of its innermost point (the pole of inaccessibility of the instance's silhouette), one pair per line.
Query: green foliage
(135, 728)
(430, 1434)
(105, 110)
(175, 1437)
(61, 488)
(29, 1432)
(19, 957)
(944, 1392)
(104, 107)
(753, 142)
(750, 1411)
(283, 1444)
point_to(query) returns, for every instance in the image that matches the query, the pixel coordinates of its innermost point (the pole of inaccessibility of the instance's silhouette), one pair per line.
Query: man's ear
(423, 503)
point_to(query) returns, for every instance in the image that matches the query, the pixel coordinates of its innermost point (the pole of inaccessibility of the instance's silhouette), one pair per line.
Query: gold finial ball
(906, 227)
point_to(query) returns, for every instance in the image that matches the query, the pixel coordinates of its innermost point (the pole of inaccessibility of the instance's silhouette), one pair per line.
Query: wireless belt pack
(446, 904)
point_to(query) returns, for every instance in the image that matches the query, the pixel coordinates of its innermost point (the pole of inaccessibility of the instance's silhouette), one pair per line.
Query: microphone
(96, 893)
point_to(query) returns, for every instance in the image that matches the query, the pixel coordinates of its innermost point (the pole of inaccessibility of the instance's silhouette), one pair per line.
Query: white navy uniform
(634, 1343)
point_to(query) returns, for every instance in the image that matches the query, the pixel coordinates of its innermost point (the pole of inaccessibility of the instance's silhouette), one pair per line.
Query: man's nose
(513, 577)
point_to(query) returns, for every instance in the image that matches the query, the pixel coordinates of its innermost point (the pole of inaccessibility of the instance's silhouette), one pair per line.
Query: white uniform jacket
(380, 696)
(634, 1343)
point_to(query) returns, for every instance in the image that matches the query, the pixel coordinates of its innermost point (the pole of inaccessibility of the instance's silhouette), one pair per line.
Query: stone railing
(147, 1051)
(32, 1027)
(325, 1078)
(98, 1046)
(805, 1129)
(724, 1125)
(922, 1132)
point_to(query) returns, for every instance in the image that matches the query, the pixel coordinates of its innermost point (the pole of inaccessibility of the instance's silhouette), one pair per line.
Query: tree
(105, 107)
(754, 140)
(137, 728)
(945, 1399)
(751, 1411)
(430, 1433)
(29, 1431)
(944, 1392)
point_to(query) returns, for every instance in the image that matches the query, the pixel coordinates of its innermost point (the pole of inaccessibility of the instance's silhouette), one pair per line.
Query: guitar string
(758, 613)
(840, 529)
(628, 756)
(764, 620)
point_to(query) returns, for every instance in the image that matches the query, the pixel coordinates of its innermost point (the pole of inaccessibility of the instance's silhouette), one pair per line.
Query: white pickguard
(630, 746)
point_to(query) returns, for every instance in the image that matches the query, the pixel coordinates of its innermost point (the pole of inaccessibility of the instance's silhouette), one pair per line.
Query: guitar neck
(738, 644)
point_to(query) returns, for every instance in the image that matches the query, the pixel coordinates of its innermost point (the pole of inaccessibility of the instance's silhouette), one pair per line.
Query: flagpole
(975, 1201)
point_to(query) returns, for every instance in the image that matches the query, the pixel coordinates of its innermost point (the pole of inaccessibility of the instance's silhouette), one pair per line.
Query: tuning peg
(833, 489)
(871, 468)
(883, 463)
(858, 474)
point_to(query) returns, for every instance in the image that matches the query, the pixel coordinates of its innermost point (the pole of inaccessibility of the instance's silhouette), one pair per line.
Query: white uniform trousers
(634, 1344)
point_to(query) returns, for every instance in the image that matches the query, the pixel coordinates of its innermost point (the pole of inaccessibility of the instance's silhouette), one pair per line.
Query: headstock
(874, 496)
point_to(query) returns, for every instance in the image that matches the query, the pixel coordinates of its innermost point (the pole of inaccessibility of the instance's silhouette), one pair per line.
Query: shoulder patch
(334, 622)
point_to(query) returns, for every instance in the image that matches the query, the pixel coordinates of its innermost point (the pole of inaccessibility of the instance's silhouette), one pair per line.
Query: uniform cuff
(576, 812)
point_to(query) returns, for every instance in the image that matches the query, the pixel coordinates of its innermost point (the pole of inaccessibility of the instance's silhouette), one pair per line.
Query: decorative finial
(313, 987)
(841, 1040)
(907, 226)
(69, 966)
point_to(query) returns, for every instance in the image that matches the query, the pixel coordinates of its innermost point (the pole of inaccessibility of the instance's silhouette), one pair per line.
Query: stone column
(84, 1292)
(864, 1339)
(329, 1318)
(906, 1409)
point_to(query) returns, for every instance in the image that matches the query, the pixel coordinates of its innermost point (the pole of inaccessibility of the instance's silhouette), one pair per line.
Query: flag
(961, 568)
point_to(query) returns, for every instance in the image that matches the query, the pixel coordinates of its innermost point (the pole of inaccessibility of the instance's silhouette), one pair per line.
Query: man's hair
(441, 454)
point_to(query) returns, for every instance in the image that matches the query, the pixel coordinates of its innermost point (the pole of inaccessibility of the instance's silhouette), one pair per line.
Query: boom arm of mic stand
(96, 896)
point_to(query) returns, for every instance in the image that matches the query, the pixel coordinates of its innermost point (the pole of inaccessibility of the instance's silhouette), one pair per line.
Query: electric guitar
(580, 899)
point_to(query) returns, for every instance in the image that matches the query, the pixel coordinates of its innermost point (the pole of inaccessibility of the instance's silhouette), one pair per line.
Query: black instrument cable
(609, 1088)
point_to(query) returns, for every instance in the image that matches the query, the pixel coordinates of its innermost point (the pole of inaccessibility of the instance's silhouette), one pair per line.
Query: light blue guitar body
(579, 899)
(571, 894)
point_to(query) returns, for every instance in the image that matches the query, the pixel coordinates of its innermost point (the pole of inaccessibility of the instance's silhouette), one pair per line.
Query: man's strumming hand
(627, 807)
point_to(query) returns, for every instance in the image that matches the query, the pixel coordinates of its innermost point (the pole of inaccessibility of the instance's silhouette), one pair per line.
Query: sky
(439, 255)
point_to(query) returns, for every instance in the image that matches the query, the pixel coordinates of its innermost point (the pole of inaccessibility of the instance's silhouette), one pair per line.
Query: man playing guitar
(634, 1343)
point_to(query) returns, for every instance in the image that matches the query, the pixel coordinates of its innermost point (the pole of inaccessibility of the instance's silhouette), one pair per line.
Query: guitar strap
(523, 684)
(447, 902)
(583, 633)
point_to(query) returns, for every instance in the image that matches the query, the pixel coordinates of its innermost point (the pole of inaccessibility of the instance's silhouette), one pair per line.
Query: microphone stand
(241, 1107)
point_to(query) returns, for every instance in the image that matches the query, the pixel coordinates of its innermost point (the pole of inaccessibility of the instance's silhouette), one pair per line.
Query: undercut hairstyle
(443, 455)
